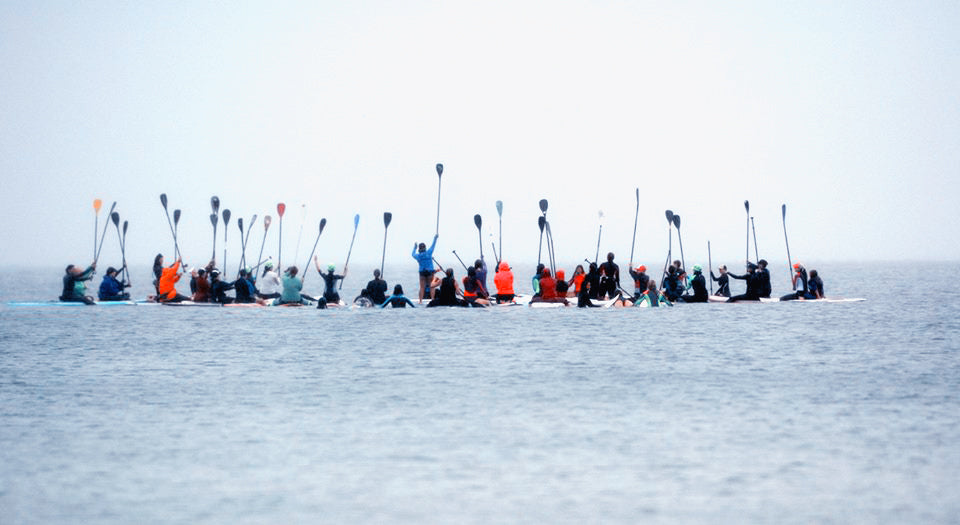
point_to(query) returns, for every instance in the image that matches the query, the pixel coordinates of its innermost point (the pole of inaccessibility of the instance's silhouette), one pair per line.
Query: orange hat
(503, 266)
(796, 266)
(560, 274)
(641, 268)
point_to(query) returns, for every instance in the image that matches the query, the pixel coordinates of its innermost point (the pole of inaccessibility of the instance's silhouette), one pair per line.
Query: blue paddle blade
(356, 220)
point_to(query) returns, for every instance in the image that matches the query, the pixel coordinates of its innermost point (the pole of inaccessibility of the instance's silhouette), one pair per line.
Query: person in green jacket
(291, 288)
(74, 289)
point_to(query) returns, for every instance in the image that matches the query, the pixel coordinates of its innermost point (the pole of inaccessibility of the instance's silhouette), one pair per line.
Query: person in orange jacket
(166, 285)
(503, 280)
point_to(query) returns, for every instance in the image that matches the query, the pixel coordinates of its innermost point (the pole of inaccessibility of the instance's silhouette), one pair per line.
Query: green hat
(268, 265)
(331, 267)
(697, 268)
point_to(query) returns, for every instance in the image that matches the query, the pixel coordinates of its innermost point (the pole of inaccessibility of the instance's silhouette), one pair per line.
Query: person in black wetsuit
(330, 295)
(815, 286)
(699, 285)
(246, 291)
(672, 288)
(799, 282)
(219, 288)
(376, 289)
(593, 279)
(753, 285)
(764, 273)
(640, 280)
(609, 278)
(447, 292)
(723, 282)
(397, 300)
(583, 298)
(74, 289)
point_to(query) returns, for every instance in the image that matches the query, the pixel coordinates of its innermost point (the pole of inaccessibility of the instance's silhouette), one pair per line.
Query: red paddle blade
(281, 208)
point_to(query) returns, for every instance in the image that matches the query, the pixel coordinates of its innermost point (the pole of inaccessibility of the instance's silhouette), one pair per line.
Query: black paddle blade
(669, 215)
(176, 217)
(499, 207)
(323, 224)
(543, 205)
(746, 204)
(163, 200)
(478, 220)
(266, 223)
(439, 170)
(783, 210)
(115, 217)
(215, 204)
(676, 221)
(541, 221)
(214, 219)
(240, 224)
(125, 224)
(387, 217)
(226, 217)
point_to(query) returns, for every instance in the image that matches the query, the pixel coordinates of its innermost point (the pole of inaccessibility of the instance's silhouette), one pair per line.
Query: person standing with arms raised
(424, 258)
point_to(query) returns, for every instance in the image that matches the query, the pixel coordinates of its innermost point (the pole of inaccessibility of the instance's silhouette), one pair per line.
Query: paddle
(541, 221)
(115, 217)
(439, 182)
(214, 218)
(323, 223)
(461, 260)
(124, 251)
(226, 224)
(746, 205)
(755, 251)
(478, 221)
(495, 256)
(113, 206)
(676, 222)
(176, 249)
(240, 225)
(596, 257)
(356, 222)
(669, 215)
(303, 217)
(636, 213)
(245, 239)
(710, 266)
(500, 217)
(97, 203)
(550, 253)
(783, 213)
(281, 207)
(266, 226)
(176, 229)
(387, 217)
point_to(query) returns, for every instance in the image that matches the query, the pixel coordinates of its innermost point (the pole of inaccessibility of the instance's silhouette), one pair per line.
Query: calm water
(783, 413)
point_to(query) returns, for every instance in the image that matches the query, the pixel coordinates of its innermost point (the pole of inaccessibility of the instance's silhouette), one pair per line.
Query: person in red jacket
(548, 290)
(503, 280)
(166, 285)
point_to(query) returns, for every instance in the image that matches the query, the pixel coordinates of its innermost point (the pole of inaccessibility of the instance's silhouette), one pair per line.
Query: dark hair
(449, 272)
(471, 271)
(762, 262)
(376, 273)
(398, 290)
(610, 256)
(813, 273)
(292, 270)
(578, 268)
(422, 247)
(540, 268)
(158, 265)
(69, 267)
(478, 264)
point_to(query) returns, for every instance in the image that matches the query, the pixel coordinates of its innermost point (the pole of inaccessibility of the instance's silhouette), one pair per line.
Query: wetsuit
(218, 292)
(723, 284)
(482, 275)
(246, 291)
(593, 281)
(815, 287)
(640, 280)
(799, 286)
(562, 288)
(447, 294)
(425, 259)
(672, 288)
(653, 300)
(112, 290)
(698, 283)
(397, 301)
(330, 294)
(376, 291)
(472, 290)
(609, 280)
(74, 291)
(583, 297)
(765, 288)
(753, 287)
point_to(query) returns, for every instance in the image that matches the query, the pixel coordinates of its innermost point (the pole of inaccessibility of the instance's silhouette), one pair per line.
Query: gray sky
(847, 112)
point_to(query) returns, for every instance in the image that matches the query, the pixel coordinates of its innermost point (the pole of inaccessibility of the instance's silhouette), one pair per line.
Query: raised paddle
(543, 206)
(266, 226)
(439, 182)
(783, 214)
(214, 218)
(163, 201)
(176, 230)
(226, 224)
(541, 221)
(97, 203)
(596, 257)
(323, 223)
(755, 250)
(281, 207)
(387, 217)
(104, 234)
(746, 205)
(669, 216)
(459, 259)
(710, 265)
(635, 215)
(496, 257)
(550, 252)
(676, 222)
(500, 217)
(115, 217)
(124, 250)
(356, 222)
(240, 225)
(246, 239)
(478, 221)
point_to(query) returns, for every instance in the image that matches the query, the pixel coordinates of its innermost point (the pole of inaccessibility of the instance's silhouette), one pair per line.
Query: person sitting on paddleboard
(548, 290)
(446, 294)
(473, 292)
(640, 280)
(699, 285)
(723, 282)
(815, 285)
(799, 284)
(653, 297)
(245, 289)
(270, 284)
(201, 284)
(424, 258)
(671, 283)
(593, 278)
(292, 285)
(330, 295)
(753, 284)
(503, 280)
(111, 289)
(157, 272)
(583, 296)
(167, 284)
(563, 287)
(219, 288)
(397, 300)
(376, 289)
(535, 282)
(576, 281)
(764, 275)
(74, 289)
(481, 266)
(609, 278)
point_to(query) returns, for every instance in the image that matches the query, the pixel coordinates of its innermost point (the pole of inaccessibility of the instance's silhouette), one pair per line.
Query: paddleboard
(62, 303)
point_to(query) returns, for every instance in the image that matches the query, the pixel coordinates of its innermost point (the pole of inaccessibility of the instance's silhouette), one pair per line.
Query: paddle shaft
(106, 224)
(789, 260)
(596, 257)
(755, 250)
(348, 254)
(710, 266)
(683, 261)
(260, 257)
(461, 260)
(636, 214)
(439, 183)
(314, 250)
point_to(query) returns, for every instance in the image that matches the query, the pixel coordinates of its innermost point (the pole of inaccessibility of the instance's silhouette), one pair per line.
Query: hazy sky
(845, 111)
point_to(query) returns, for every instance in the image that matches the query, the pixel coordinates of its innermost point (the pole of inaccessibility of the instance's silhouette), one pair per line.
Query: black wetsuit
(397, 301)
(583, 298)
(330, 294)
(640, 281)
(723, 284)
(699, 290)
(562, 288)
(70, 281)
(376, 291)
(765, 288)
(218, 292)
(446, 294)
(814, 285)
(610, 280)
(593, 281)
(753, 287)
(246, 291)
(671, 287)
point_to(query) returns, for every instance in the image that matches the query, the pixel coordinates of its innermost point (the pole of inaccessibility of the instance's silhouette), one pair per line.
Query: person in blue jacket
(398, 300)
(424, 258)
(111, 289)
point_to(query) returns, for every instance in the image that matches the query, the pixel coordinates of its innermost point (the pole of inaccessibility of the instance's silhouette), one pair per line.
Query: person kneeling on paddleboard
(799, 282)
(815, 285)
(330, 295)
(292, 285)
(270, 284)
(74, 289)
(111, 289)
(764, 276)
(698, 283)
(503, 280)
(473, 292)
(723, 282)
(167, 284)
(446, 294)
(753, 285)
(219, 288)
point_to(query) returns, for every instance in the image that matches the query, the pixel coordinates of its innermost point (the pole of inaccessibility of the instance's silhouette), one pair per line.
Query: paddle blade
(638, 196)
(323, 224)
(669, 215)
(746, 204)
(253, 220)
(783, 211)
(281, 208)
(266, 222)
(543, 205)
(387, 217)
(240, 224)
(115, 217)
(214, 219)
(356, 221)
(478, 220)
(125, 224)
(676, 221)
(439, 170)
(163, 200)
(97, 203)
(176, 217)
(226, 217)
(500, 208)
(540, 222)
(215, 204)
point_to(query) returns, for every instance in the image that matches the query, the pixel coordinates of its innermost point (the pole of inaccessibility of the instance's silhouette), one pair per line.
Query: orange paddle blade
(96, 205)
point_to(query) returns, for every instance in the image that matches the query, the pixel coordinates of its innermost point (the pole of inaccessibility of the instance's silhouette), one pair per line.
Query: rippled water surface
(782, 413)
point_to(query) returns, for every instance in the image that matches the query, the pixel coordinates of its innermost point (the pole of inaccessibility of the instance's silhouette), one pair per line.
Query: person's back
(562, 285)
(166, 286)
(548, 286)
(74, 289)
(447, 295)
(270, 283)
(377, 290)
(202, 293)
(610, 277)
(110, 288)
(815, 286)
(763, 277)
(292, 285)
(246, 291)
(640, 279)
(503, 279)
